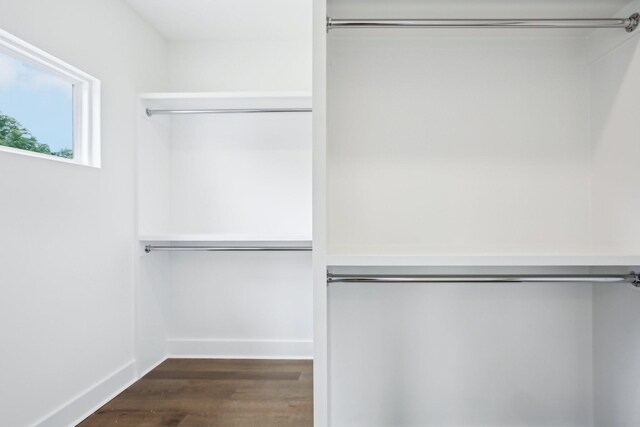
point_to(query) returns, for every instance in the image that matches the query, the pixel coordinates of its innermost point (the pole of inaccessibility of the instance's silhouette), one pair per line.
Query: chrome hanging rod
(153, 248)
(151, 112)
(631, 278)
(629, 24)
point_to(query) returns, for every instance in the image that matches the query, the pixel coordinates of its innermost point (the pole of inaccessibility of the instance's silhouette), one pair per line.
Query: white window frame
(86, 101)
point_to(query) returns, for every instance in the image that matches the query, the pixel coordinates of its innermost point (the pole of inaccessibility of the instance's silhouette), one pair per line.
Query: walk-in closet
(224, 212)
(345, 213)
(475, 206)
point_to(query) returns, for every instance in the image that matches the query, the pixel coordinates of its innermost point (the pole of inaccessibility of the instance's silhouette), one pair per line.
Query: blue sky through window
(41, 101)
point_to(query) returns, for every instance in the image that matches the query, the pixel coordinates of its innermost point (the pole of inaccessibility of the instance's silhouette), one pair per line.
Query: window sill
(47, 157)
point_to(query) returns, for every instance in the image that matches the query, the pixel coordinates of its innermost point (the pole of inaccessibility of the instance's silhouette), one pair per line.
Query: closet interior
(224, 224)
(475, 195)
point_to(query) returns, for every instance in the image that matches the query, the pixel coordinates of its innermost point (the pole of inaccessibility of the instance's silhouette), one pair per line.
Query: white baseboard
(145, 370)
(239, 349)
(87, 402)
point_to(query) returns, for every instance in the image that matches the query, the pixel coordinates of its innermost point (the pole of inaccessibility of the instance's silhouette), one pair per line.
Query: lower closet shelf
(577, 260)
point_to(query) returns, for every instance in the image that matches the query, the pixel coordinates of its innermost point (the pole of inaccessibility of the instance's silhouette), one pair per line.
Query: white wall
(229, 45)
(460, 354)
(66, 311)
(240, 65)
(240, 305)
(241, 174)
(456, 144)
(615, 143)
(616, 356)
(226, 175)
(468, 143)
(615, 114)
(226, 180)
(241, 59)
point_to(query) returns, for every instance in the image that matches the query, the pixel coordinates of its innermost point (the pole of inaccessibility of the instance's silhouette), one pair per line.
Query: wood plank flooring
(201, 393)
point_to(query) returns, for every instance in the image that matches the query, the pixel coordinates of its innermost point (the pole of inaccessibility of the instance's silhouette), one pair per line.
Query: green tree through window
(13, 134)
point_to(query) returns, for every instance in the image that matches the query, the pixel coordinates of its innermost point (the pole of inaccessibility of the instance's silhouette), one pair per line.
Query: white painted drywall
(226, 175)
(240, 305)
(240, 65)
(477, 144)
(616, 356)
(66, 311)
(152, 284)
(460, 355)
(245, 46)
(241, 174)
(457, 144)
(615, 141)
(320, 290)
(153, 158)
(249, 178)
(227, 19)
(234, 45)
(615, 114)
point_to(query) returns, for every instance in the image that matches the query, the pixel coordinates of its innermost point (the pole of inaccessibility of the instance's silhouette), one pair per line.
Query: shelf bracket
(636, 280)
(634, 20)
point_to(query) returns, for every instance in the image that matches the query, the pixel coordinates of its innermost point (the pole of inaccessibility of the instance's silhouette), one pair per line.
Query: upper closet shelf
(225, 102)
(591, 260)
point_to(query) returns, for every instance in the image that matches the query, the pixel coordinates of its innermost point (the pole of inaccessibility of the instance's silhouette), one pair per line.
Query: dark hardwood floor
(198, 392)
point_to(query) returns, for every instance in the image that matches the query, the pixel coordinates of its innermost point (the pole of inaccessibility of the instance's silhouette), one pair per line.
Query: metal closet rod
(629, 24)
(153, 248)
(151, 112)
(631, 278)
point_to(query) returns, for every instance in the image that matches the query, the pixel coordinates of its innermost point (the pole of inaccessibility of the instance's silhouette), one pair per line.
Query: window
(47, 108)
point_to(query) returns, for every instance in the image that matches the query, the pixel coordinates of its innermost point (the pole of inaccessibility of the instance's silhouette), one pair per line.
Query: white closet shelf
(591, 259)
(226, 238)
(225, 100)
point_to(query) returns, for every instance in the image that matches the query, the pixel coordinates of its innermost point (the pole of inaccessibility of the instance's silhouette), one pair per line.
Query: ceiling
(186, 20)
